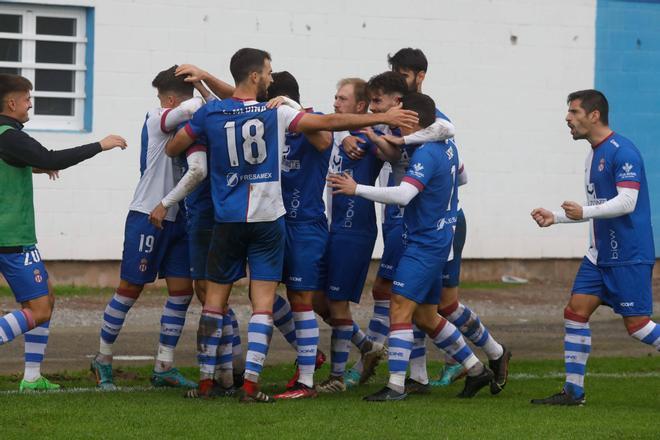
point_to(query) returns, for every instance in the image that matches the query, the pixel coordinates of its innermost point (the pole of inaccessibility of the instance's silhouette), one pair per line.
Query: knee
(575, 315)
(635, 323)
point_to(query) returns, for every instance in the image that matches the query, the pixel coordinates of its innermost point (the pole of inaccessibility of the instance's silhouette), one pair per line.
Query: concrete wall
(500, 69)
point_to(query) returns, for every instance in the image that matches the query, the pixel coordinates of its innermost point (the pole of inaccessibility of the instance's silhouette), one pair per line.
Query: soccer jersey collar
(609, 136)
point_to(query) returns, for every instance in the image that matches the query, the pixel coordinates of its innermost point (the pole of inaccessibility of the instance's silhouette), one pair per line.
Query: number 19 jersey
(245, 147)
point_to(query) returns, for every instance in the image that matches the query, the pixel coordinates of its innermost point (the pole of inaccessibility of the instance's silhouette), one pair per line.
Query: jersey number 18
(249, 139)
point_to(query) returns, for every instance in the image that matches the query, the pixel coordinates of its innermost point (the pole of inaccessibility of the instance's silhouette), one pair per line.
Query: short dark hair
(423, 105)
(388, 83)
(409, 58)
(246, 61)
(10, 83)
(284, 84)
(591, 100)
(167, 81)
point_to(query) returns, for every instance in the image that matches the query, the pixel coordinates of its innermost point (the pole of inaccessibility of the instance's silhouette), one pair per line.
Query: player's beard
(262, 93)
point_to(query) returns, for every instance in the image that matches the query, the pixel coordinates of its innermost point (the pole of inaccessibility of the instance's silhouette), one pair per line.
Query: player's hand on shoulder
(283, 100)
(351, 148)
(342, 184)
(112, 141)
(191, 72)
(572, 209)
(398, 117)
(543, 217)
(158, 215)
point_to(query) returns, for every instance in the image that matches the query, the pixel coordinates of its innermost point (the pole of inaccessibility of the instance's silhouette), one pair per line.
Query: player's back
(352, 214)
(304, 169)
(245, 141)
(430, 217)
(157, 173)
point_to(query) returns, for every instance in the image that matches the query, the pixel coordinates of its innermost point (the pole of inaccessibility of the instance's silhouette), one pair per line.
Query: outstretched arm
(343, 121)
(440, 130)
(391, 195)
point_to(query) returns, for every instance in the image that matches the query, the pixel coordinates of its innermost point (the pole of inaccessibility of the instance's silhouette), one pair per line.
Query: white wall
(506, 100)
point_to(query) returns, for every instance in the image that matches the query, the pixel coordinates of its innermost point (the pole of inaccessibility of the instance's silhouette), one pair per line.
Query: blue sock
(379, 326)
(209, 334)
(307, 336)
(15, 324)
(237, 347)
(342, 331)
(260, 331)
(577, 346)
(171, 324)
(418, 371)
(35, 348)
(113, 318)
(283, 320)
(649, 333)
(400, 345)
(448, 339)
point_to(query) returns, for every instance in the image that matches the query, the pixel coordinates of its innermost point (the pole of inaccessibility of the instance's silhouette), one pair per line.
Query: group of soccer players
(236, 176)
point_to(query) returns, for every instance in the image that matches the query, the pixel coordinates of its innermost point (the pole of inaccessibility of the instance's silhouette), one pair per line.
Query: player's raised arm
(396, 117)
(395, 195)
(180, 142)
(217, 86)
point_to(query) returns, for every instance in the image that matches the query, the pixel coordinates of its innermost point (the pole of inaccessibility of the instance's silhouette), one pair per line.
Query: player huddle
(234, 178)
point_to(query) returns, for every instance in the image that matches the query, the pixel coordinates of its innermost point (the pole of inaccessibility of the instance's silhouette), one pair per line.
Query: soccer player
(353, 234)
(429, 193)
(20, 261)
(246, 141)
(304, 167)
(150, 251)
(618, 266)
(413, 65)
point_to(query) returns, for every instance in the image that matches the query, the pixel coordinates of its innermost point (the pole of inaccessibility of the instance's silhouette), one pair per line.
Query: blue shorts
(198, 249)
(347, 258)
(304, 265)
(150, 252)
(25, 273)
(451, 276)
(260, 244)
(418, 276)
(392, 249)
(627, 289)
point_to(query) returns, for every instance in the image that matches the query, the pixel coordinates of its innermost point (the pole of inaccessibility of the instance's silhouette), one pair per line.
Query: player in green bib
(20, 261)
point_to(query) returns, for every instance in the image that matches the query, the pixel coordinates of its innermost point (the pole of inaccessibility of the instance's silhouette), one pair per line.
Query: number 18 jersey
(245, 147)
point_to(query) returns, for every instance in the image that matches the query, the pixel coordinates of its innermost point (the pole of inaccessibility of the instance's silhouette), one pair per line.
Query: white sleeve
(560, 217)
(339, 136)
(393, 195)
(624, 203)
(440, 130)
(170, 119)
(197, 171)
(462, 175)
(288, 117)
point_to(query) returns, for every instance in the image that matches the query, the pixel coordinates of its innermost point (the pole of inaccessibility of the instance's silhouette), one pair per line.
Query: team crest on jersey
(232, 179)
(450, 153)
(37, 276)
(418, 169)
(601, 164)
(143, 265)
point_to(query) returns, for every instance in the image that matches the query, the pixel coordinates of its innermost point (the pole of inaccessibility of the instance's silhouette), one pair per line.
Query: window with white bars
(48, 45)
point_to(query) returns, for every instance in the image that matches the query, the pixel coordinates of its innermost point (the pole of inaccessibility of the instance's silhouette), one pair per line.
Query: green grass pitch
(623, 401)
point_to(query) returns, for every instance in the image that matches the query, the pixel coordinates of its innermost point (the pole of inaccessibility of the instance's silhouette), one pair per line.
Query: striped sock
(448, 339)
(237, 347)
(648, 333)
(358, 338)
(260, 330)
(577, 346)
(307, 335)
(171, 324)
(418, 370)
(35, 348)
(113, 318)
(209, 334)
(342, 330)
(379, 326)
(470, 325)
(400, 345)
(15, 324)
(283, 320)
(224, 369)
